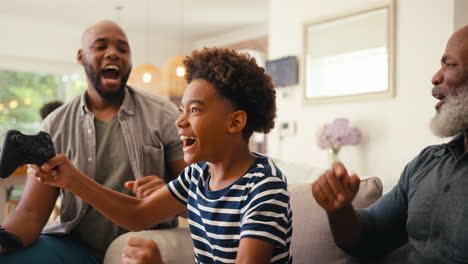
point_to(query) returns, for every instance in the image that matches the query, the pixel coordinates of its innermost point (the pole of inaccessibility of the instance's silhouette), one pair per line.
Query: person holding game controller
(237, 200)
(112, 130)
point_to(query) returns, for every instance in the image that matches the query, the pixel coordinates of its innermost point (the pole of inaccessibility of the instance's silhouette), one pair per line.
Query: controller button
(48, 153)
(18, 139)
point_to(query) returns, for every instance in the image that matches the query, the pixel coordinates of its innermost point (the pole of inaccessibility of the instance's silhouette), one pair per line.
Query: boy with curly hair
(237, 201)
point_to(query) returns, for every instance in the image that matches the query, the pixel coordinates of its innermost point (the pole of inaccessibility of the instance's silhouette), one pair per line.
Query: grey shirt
(150, 135)
(95, 231)
(428, 208)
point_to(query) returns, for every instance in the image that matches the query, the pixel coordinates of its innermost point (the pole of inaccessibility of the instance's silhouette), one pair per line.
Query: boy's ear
(79, 56)
(237, 122)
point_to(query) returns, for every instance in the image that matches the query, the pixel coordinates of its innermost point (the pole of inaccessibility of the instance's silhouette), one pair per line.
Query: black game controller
(19, 149)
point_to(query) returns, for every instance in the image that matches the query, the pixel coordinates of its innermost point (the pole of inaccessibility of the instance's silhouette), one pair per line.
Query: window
(24, 93)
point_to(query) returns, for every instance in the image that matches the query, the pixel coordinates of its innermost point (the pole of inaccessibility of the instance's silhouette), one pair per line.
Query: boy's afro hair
(237, 77)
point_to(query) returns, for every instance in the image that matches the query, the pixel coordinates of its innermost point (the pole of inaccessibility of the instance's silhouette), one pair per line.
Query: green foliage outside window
(22, 94)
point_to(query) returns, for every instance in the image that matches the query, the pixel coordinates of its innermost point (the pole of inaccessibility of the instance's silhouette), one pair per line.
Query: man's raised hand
(335, 189)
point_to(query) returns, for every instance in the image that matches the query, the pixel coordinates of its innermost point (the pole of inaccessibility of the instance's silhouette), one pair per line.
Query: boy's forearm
(254, 251)
(120, 208)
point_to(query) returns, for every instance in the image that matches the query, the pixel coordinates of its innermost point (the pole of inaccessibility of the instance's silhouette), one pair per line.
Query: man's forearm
(346, 227)
(31, 215)
(25, 225)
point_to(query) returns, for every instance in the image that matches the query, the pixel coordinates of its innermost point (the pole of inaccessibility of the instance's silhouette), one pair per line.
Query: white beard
(453, 115)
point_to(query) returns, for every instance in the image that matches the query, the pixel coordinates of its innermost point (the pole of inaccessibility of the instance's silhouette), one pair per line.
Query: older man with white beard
(453, 117)
(428, 209)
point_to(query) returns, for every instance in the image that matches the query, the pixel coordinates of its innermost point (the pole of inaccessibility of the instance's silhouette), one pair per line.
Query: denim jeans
(50, 249)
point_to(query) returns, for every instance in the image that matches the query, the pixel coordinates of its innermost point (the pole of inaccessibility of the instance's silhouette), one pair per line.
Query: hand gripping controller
(19, 149)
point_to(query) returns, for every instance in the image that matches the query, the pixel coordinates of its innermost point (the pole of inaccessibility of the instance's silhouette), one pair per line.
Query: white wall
(461, 19)
(395, 129)
(229, 38)
(35, 45)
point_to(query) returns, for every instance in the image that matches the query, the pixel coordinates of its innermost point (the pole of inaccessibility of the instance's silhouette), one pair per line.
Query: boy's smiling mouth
(188, 141)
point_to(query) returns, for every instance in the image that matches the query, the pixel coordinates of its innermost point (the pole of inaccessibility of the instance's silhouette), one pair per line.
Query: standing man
(123, 139)
(428, 208)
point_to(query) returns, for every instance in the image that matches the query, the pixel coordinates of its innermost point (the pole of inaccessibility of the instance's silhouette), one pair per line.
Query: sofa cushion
(312, 241)
(297, 171)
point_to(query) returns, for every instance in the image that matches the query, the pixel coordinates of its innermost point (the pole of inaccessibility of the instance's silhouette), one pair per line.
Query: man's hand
(141, 251)
(145, 186)
(335, 189)
(59, 171)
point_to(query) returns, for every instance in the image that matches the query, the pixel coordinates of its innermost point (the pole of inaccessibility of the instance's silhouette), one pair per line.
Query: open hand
(335, 188)
(145, 186)
(141, 251)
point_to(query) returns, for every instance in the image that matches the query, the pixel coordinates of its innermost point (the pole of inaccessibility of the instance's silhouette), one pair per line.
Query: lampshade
(172, 79)
(147, 77)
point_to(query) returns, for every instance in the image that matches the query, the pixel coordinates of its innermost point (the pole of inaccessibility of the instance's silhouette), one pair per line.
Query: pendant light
(147, 77)
(173, 71)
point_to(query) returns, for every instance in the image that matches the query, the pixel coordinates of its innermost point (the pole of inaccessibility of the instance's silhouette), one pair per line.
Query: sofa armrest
(175, 245)
(312, 241)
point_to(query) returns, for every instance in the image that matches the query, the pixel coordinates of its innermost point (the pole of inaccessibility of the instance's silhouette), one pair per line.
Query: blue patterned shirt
(428, 209)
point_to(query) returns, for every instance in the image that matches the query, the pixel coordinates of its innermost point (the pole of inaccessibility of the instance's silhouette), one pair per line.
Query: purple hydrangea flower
(337, 134)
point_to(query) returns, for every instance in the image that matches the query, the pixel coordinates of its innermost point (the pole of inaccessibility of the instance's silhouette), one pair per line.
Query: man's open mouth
(439, 105)
(111, 72)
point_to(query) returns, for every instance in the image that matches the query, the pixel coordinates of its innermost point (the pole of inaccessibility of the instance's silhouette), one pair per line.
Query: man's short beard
(453, 115)
(111, 97)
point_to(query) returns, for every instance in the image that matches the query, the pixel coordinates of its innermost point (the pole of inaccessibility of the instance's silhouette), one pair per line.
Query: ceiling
(193, 18)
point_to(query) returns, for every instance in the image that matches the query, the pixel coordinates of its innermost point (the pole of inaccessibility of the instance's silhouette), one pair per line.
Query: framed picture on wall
(350, 56)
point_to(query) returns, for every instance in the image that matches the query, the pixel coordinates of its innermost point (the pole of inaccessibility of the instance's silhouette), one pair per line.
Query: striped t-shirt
(256, 205)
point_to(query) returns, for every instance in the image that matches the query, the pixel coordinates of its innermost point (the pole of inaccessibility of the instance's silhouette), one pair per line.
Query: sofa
(312, 241)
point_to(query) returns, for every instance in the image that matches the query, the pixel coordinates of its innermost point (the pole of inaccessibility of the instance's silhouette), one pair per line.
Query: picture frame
(350, 56)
